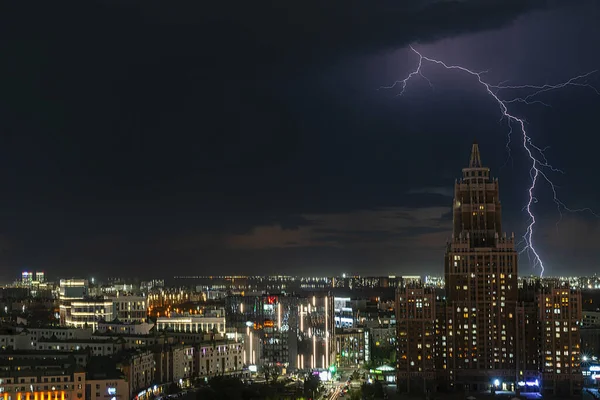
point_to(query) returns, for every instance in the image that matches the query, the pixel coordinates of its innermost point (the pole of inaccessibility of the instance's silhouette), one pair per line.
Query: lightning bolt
(539, 163)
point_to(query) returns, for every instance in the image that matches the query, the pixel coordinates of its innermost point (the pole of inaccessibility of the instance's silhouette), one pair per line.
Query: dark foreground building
(487, 334)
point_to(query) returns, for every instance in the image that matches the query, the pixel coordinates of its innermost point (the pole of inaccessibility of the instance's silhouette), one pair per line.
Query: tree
(173, 388)
(267, 372)
(371, 392)
(271, 373)
(311, 386)
(275, 373)
(356, 394)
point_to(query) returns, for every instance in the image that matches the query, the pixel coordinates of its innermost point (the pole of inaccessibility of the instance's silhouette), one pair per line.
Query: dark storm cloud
(303, 31)
(380, 227)
(442, 191)
(150, 134)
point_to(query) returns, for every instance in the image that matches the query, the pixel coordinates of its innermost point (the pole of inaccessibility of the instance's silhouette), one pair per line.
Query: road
(337, 388)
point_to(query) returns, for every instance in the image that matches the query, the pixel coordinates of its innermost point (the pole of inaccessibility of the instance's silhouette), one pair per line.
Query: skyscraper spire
(475, 161)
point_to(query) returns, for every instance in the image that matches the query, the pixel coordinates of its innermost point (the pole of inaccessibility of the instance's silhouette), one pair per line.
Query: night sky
(152, 139)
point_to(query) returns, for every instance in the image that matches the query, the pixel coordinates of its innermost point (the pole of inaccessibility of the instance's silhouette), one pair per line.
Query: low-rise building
(118, 326)
(130, 309)
(39, 357)
(107, 388)
(174, 363)
(139, 369)
(59, 332)
(128, 342)
(213, 322)
(105, 381)
(218, 358)
(88, 312)
(31, 383)
(97, 347)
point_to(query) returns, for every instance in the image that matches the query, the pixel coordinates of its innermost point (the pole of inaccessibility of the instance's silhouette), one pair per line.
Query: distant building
(411, 279)
(591, 319)
(343, 312)
(26, 278)
(212, 322)
(118, 327)
(294, 331)
(96, 347)
(89, 312)
(352, 346)
(40, 277)
(70, 290)
(130, 309)
(434, 281)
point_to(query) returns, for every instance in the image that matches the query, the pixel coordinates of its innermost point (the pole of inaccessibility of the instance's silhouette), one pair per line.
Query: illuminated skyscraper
(26, 278)
(481, 285)
(489, 333)
(40, 277)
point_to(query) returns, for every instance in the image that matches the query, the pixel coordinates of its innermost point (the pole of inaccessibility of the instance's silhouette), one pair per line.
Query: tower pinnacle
(475, 161)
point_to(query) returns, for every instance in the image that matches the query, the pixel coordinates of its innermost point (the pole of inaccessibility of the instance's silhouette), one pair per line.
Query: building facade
(130, 309)
(70, 290)
(415, 346)
(213, 322)
(218, 358)
(107, 389)
(87, 313)
(42, 384)
(481, 285)
(352, 346)
(139, 369)
(560, 317)
(492, 332)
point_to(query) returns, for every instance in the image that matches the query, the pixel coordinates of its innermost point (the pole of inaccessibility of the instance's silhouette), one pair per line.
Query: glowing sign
(271, 299)
(268, 324)
(112, 391)
(595, 368)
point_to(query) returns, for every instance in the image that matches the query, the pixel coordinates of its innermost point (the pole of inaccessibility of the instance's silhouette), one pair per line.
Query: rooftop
(54, 339)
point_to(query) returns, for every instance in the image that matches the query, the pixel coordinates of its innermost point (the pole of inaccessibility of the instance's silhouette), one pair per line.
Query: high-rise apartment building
(481, 284)
(416, 336)
(490, 334)
(560, 318)
(528, 356)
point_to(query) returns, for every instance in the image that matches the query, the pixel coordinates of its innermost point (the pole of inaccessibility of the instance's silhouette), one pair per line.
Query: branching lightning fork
(539, 164)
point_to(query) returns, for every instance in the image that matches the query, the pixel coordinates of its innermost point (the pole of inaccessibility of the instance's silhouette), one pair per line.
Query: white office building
(213, 322)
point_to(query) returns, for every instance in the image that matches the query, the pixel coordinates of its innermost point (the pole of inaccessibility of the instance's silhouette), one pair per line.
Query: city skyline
(170, 143)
